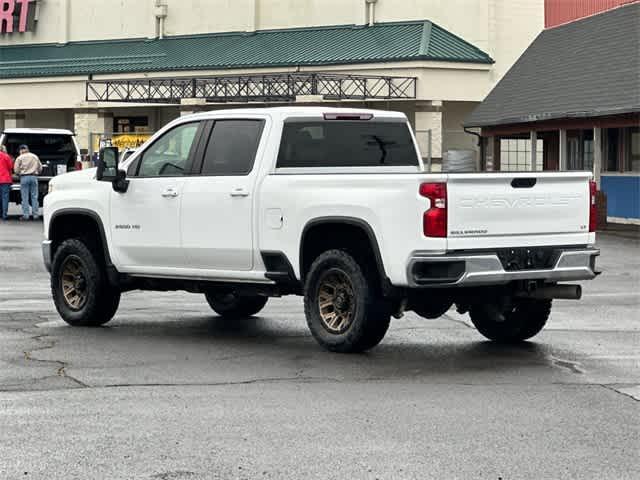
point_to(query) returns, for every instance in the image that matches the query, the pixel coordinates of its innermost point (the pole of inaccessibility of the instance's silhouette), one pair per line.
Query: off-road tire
(525, 320)
(239, 306)
(371, 314)
(102, 300)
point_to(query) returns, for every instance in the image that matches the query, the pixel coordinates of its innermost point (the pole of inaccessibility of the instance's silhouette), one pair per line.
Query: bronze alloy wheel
(74, 283)
(336, 301)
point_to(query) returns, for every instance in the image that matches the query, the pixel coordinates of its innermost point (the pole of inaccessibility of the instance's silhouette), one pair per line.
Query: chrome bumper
(486, 269)
(46, 254)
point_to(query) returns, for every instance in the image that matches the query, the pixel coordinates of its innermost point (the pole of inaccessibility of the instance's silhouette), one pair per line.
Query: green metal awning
(331, 45)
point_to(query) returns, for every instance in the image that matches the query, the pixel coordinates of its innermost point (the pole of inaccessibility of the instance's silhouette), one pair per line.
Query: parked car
(57, 150)
(330, 204)
(126, 153)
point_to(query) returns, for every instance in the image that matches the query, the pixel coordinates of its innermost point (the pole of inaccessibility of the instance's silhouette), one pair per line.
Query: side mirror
(108, 170)
(107, 164)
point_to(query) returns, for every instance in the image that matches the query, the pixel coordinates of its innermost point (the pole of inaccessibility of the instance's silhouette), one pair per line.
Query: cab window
(169, 155)
(232, 147)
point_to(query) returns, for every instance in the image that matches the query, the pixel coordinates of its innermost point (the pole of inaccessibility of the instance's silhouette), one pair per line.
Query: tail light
(593, 207)
(435, 219)
(79, 163)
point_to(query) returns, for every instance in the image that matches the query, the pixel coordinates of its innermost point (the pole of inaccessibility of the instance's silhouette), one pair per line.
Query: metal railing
(276, 87)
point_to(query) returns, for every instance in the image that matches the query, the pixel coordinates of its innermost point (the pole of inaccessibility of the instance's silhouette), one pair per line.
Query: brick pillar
(428, 118)
(90, 122)
(189, 106)
(14, 119)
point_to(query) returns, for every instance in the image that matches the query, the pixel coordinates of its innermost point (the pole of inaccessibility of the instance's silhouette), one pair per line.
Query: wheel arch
(355, 225)
(61, 228)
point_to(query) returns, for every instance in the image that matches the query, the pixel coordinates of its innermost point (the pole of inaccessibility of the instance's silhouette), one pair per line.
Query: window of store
(622, 149)
(633, 164)
(515, 155)
(130, 124)
(580, 149)
(611, 149)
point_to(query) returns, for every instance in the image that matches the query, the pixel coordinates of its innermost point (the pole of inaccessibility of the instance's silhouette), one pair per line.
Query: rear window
(40, 144)
(346, 144)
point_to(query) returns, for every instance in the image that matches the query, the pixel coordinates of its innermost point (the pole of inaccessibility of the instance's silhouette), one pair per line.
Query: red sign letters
(9, 9)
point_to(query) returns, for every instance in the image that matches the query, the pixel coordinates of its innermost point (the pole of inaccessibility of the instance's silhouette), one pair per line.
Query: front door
(145, 221)
(217, 204)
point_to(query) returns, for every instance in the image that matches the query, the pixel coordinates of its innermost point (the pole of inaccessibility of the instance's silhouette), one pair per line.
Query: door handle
(170, 193)
(239, 192)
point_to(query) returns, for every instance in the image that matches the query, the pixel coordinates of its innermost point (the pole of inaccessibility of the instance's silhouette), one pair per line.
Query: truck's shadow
(271, 347)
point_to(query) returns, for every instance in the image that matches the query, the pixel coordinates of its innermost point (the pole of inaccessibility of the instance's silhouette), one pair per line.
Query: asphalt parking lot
(167, 390)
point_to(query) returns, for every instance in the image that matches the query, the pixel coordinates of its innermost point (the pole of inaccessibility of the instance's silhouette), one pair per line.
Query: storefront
(569, 111)
(125, 71)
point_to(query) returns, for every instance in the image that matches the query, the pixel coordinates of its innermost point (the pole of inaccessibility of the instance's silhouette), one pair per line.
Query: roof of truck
(291, 111)
(42, 131)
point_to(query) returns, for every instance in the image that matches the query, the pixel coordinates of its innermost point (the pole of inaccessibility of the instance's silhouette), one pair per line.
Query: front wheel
(80, 288)
(231, 304)
(519, 321)
(342, 305)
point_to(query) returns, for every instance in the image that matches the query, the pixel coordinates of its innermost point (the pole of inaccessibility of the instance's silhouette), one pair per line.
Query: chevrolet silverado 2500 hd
(330, 204)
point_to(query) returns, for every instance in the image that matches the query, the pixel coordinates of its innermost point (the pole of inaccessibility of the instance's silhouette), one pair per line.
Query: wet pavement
(168, 390)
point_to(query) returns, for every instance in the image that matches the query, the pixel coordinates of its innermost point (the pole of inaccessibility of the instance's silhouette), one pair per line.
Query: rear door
(520, 209)
(218, 202)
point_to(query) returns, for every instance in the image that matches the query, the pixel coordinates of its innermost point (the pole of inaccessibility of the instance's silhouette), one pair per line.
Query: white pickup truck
(330, 204)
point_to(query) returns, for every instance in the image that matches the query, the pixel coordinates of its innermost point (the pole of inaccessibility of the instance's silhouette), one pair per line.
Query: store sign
(17, 16)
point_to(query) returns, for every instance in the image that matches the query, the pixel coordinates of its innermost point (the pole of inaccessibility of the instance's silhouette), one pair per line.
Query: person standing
(6, 170)
(28, 167)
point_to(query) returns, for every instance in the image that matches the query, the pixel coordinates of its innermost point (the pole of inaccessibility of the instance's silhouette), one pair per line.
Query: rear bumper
(485, 268)
(43, 188)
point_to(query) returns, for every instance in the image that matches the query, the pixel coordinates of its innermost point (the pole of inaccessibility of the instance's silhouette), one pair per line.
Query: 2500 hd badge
(127, 227)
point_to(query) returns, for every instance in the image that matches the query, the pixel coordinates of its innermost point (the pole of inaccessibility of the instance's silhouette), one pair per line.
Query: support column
(597, 155)
(428, 118)
(490, 154)
(91, 122)
(253, 21)
(563, 150)
(534, 150)
(189, 106)
(65, 12)
(14, 119)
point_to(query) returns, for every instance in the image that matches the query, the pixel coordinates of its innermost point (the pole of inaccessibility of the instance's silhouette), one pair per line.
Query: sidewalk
(622, 230)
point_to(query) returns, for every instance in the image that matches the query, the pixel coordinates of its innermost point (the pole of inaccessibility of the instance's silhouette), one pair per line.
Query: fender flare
(86, 213)
(352, 221)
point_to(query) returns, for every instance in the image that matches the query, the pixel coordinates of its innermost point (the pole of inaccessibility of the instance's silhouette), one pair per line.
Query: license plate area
(521, 259)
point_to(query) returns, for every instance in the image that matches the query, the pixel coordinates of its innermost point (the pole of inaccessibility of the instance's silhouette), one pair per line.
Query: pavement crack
(624, 390)
(46, 344)
(224, 384)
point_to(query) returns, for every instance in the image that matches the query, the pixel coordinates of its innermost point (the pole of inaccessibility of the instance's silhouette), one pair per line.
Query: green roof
(332, 45)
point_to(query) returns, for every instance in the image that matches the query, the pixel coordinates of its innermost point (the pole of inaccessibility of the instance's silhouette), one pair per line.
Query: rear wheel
(515, 322)
(231, 304)
(342, 305)
(80, 288)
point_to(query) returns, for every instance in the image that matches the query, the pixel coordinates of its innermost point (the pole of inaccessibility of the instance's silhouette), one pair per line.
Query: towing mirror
(108, 170)
(107, 164)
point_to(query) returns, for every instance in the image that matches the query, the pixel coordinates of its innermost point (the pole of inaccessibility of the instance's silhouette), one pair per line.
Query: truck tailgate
(517, 209)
